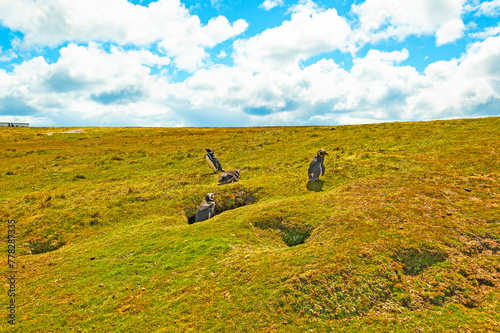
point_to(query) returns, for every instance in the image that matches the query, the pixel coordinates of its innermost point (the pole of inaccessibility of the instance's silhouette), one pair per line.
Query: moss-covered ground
(402, 234)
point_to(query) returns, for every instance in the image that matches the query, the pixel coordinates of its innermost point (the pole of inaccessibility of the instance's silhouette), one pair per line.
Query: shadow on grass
(208, 174)
(317, 186)
(222, 184)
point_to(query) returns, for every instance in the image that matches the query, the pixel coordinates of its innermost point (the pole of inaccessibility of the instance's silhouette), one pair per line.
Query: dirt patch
(65, 132)
(74, 131)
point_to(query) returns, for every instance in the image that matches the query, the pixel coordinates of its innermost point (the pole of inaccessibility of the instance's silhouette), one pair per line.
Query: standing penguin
(317, 168)
(206, 209)
(213, 161)
(230, 176)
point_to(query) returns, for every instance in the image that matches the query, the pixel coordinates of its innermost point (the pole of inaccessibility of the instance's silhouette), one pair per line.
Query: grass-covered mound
(401, 234)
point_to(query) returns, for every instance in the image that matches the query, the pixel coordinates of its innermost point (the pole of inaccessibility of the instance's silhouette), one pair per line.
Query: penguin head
(237, 171)
(209, 150)
(210, 197)
(322, 152)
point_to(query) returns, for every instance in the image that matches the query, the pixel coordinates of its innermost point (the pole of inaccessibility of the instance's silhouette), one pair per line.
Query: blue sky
(247, 63)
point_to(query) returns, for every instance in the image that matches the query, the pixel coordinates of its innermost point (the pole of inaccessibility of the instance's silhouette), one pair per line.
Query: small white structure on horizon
(12, 124)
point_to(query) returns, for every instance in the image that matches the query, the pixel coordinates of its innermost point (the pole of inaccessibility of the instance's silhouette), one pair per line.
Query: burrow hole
(223, 202)
(291, 234)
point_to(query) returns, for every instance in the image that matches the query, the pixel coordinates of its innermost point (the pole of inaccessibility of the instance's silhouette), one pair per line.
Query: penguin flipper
(218, 165)
(322, 169)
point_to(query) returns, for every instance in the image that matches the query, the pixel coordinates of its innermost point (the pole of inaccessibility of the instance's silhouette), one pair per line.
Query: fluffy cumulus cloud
(117, 63)
(166, 22)
(460, 86)
(89, 83)
(465, 86)
(377, 88)
(382, 19)
(309, 32)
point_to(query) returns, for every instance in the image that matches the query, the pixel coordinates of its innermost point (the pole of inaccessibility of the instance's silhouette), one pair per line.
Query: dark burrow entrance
(223, 202)
(191, 218)
(291, 234)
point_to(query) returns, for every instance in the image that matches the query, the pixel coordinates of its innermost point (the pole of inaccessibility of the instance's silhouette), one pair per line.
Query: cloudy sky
(247, 63)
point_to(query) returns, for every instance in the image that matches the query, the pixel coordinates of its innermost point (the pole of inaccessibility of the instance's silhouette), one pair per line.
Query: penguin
(230, 176)
(317, 168)
(206, 209)
(213, 161)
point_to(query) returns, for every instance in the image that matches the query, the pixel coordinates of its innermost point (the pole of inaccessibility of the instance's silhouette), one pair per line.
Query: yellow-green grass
(400, 235)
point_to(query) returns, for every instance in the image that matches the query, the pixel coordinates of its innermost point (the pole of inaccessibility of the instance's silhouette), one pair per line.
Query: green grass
(400, 235)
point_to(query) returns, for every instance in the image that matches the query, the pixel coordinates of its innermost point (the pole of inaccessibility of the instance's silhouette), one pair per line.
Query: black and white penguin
(213, 161)
(317, 168)
(230, 176)
(206, 209)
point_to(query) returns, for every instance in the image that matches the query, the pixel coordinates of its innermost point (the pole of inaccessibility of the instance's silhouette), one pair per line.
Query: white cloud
(468, 86)
(383, 19)
(309, 32)
(7, 56)
(449, 32)
(377, 88)
(489, 8)
(178, 33)
(91, 72)
(270, 4)
(308, 7)
(269, 82)
(488, 32)
(5, 83)
(463, 87)
(376, 57)
(115, 87)
(89, 84)
(304, 96)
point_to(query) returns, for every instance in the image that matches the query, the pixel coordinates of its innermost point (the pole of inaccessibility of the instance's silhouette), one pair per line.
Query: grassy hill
(402, 234)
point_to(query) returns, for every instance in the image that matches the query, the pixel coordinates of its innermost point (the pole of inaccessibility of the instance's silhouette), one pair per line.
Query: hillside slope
(402, 234)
